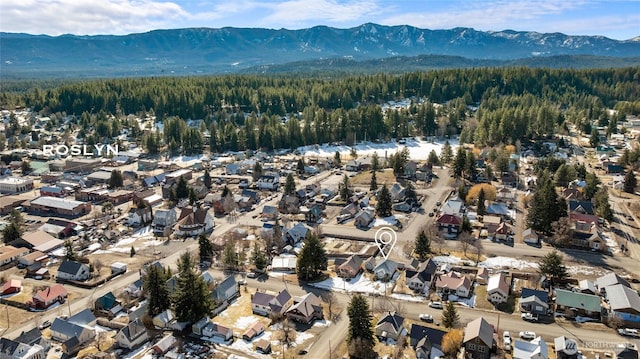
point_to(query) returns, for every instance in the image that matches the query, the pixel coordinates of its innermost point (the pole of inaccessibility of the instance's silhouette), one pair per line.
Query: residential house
(305, 309)
(296, 234)
(11, 286)
(9, 254)
(425, 341)
(284, 263)
(530, 236)
(84, 317)
(588, 287)
(165, 344)
(390, 326)
(139, 216)
(385, 270)
(48, 296)
(364, 218)
(226, 291)
(52, 191)
(410, 169)
(314, 215)
(163, 221)
(449, 222)
(397, 192)
(579, 303)
(350, 268)
(534, 301)
(253, 331)
(132, 336)
(624, 303)
(263, 346)
(452, 207)
(453, 283)
(583, 207)
(269, 213)
(107, 305)
(193, 221)
(609, 279)
(13, 349)
(72, 270)
(289, 204)
(478, 339)
(352, 166)
(498, 288)
(33, 257)
(502, 232)
(269, 182)
(420, 279)
(265, 304)
(505, 194)
(482, 276)
(164, 319)
(565, 348)
(535, 349)
(216, 330)
(63, 330)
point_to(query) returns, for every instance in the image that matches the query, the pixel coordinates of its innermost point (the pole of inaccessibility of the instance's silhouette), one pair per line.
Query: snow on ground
(322, 323)
(467, 302)
(446, 259)
(244, 322)
(408, 297)
(137, 352)
(611, 243)
(386, 221)
(359, 284)
(143, 232)
(301, 337)
(418, 149)
(507, 262)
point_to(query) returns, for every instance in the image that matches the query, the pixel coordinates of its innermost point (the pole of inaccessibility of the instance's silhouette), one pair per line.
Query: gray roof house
(385, 270)
(85, 317)
(625, 302)
(421, 278)
(478, 339)
(390, 327)
(296, 234)
(62, 331)
(133, 335)
(608, 280)
(226, 290)
(72, 270)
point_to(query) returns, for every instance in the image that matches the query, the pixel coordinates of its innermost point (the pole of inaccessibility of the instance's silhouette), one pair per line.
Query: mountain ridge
(230, 49)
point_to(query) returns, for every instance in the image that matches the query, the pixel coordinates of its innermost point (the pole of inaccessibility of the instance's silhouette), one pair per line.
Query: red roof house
(47, 297)
(11, 286)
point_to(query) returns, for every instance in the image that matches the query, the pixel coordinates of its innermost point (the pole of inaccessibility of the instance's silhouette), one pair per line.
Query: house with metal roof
(72, 270)
(624, 303)
(583, 304)
(478, 339)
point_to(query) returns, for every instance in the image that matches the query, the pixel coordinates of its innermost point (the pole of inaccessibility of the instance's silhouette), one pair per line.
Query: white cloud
(487, 15)
(299, 13)
(87, 17)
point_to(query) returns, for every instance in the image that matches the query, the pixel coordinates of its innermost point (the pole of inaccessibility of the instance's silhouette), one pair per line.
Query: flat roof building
(60, 207)
(10, 185)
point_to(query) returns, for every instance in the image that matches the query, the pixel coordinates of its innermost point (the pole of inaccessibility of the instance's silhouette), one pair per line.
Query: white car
(426, 318)
(506, 340)
(527, 335)
(529, 317)
(436, 305)
(252, 275)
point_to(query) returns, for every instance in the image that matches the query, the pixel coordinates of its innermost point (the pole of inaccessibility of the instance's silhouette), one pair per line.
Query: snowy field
(359, 284)
(418, 149)
(511, 263)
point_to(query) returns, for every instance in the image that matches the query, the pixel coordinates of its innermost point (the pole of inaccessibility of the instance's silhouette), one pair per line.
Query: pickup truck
(529, 317)
(627, 332)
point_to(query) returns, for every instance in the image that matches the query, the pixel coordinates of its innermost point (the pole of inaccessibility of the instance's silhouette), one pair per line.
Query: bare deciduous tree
(330, 299)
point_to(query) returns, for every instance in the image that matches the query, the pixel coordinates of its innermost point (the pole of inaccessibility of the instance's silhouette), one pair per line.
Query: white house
(133, 335)
(193, 221)
(535, 349)
(498, 288)
(138, 216)
(72, 270)
(163, 221)
(269, 182)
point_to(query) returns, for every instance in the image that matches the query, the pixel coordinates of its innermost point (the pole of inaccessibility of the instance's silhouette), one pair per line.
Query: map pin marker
(386, 239)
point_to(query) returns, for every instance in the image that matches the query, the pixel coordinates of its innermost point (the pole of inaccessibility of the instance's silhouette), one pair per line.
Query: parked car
(506, 340)
(252, 275)
(436, 305)
(628, 332)
(45, 324)
(242, 282)
(527, 335)
(529, 317)
(426, 318)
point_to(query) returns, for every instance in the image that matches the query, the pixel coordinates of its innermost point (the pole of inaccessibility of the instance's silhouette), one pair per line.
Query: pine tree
(337, 159)
(546, 206)
(594, 140)
(155, 289)
(374, 182)
(344, 188)
(383, 207)
(300, 166)
(447, 153)
(481, 205)
(259, 258)
(192, 299)
(207, 179)
(115, 180)
(69, 253)
(630, 182)
(193, 198)
(257, 171)
(132, 252)
(602, 205)
(230, 256)
(459, 163)
(26, 167)
(360, 328)
(290, 185)
(450, 317)
(433, 158)
(551, 266)
(375, 162)
(14, 229)
(591, 187)
(312, 259)
(205, 248)
(182, 190)
(423, 246)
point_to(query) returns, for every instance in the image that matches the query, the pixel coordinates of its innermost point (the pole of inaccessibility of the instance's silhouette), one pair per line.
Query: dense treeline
(514, 103)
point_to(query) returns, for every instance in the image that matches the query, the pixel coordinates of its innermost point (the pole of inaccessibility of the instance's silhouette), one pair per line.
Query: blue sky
(617, 19)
